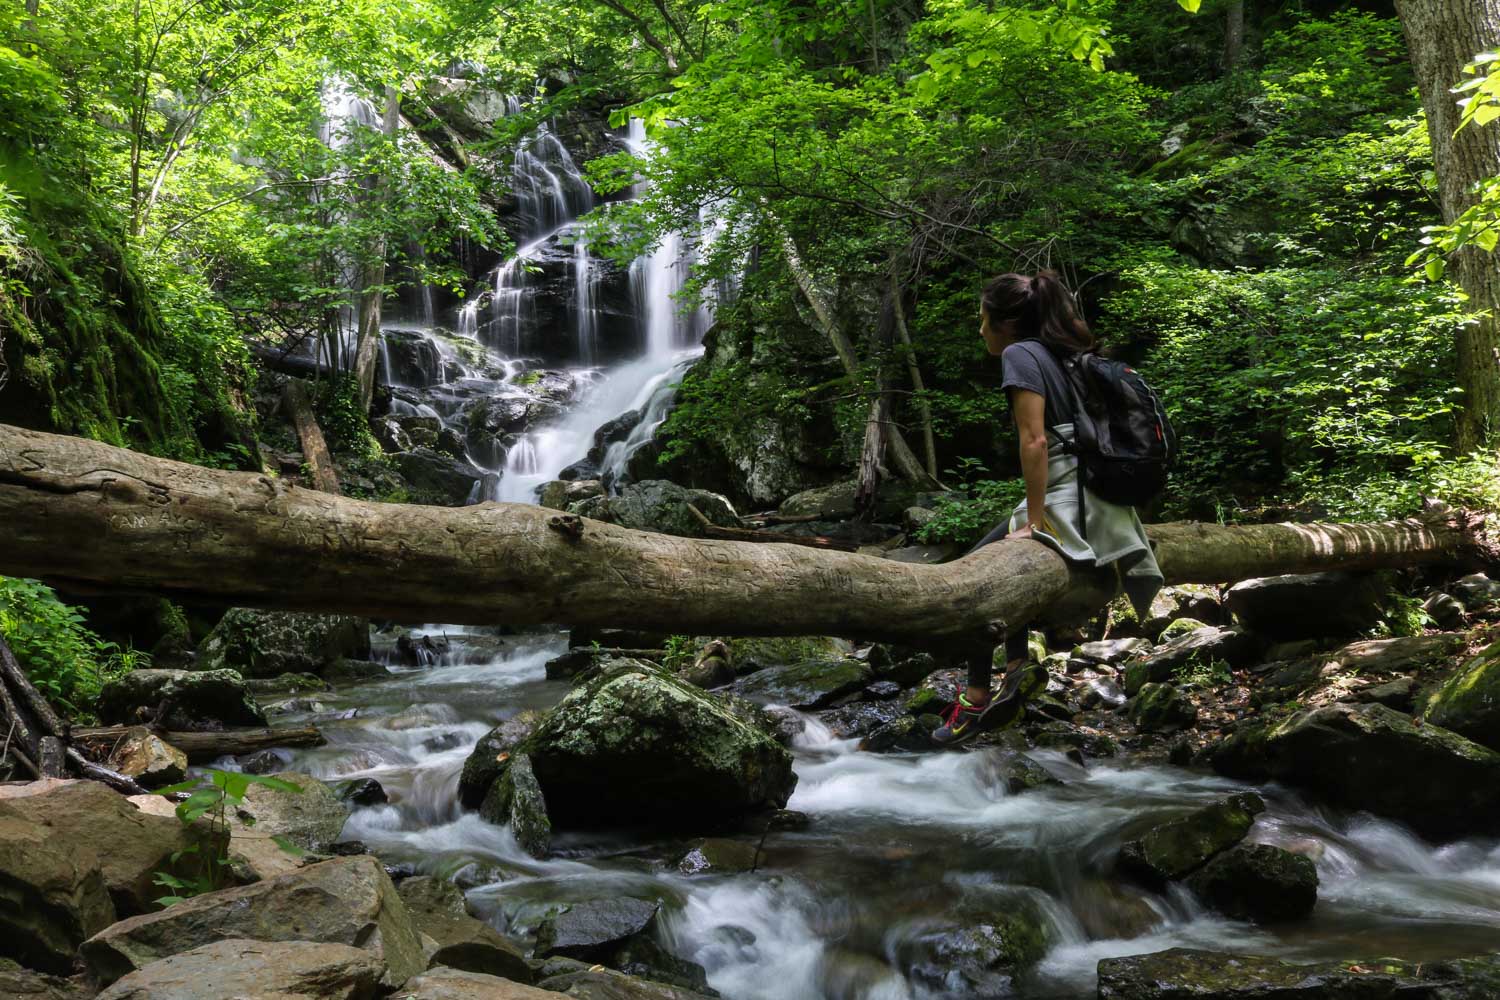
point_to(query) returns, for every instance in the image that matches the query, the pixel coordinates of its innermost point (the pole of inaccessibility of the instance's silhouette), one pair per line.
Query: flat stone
(589, 930)
(283, 970)
(1307, 606)
(1111, 651)
(806, 686)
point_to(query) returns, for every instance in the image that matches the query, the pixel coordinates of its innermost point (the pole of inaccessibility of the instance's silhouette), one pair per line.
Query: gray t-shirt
(1028, 364)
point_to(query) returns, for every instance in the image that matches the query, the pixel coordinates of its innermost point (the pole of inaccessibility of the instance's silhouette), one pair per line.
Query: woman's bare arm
(1030, 409)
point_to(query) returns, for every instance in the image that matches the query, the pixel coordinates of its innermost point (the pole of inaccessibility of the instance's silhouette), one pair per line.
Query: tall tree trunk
(1234, 35)
(372, 277)
(918, 385)
(92, 517)
(1443, 36)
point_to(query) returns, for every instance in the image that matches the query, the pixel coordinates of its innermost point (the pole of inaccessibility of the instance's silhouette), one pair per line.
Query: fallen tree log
(204, 747)
(92, 517)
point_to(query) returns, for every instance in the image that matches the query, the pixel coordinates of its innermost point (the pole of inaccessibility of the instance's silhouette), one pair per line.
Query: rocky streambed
(593, 822)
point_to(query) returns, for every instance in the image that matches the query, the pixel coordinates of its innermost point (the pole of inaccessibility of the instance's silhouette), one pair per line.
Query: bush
(65, 660)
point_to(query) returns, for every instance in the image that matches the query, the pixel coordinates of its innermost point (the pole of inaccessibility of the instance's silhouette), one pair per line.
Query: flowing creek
(901, 849)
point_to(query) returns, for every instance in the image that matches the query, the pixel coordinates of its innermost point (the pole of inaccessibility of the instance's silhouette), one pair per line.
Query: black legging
(982, 657)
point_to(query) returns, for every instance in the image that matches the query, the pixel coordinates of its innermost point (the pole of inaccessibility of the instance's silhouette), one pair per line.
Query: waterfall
(585, 291)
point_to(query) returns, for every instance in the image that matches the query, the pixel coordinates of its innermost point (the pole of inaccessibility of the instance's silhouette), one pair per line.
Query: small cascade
(468, 320)
(547, 183)
(585, 295)
(617, 456)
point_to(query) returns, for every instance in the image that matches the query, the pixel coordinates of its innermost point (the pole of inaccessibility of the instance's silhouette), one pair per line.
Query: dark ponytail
(1043, 310)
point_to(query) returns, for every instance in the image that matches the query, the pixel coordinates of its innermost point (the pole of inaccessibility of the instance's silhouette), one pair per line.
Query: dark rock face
(435, 477)
(415, 360)
(1308, 606)
(806, 685)
(635, 745)
(1258, 882)
(270, 643)
(1183, 973)
(1178, 848)
(1370, 757)
(361, 792)
(1201, 647)
(189, 700)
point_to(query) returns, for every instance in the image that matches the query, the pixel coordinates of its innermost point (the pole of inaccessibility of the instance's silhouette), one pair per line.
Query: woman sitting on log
(1031, 322)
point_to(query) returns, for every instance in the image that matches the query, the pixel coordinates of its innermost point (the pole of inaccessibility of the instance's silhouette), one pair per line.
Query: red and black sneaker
(964, 719)
(961, 721)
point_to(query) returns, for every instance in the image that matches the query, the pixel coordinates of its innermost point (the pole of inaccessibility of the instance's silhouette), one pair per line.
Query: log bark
(1443, 36)
(86, 515)
(204, 747)
(298, 405)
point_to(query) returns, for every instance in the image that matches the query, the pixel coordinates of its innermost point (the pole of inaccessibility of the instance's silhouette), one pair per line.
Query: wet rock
(789, 820)
(1182, 973)
(644, 957)
(361, 792)
(1019, 773)
(286, 684)
(415, 360)
(636, 745)
(1469, 702)
(1399, 694)
(188, 700)
(662, 506)
(1258, 882)
(435, 477)
(1162, 708)
(1111, 651)
(442, 742)
(559, 493)
(1307, 606)
(1203, 646)
(344, 901)
(149, 759)
(1065, 736)
(1179, 627)
(1445, 610)
(470, 945)
(286, 970)
(883, 691)
(979, 959)
(858, 720)
(421, 650)
(720, 857)
(312, 818)
(516, 799)
(806, 686)
(442, 983)
(1370, 757)
(490, 757)
(1179, 847)
(787, 724)
(591, 930)
(271, 643)
(428, 894)
(263, 762)
(347, 671)
(903, 734)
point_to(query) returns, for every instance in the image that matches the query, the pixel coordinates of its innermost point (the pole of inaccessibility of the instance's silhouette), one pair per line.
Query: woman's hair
(1042, 307)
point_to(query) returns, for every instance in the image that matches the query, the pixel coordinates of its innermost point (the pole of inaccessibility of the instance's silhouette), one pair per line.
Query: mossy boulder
(977, 953)
(1469, 703)
(188, 700)
(1179, 627)
(1371, 757)
(811, 685)
(636, 745)
(1162, 708)
(488, 759)
(1258, 882)
(1177, 848)
(515, 798)
(269, 643)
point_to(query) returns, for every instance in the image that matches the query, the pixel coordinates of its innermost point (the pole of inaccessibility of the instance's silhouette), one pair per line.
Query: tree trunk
(372, 277)
(1234, 35)
(91, 517)
(298, 405)
(1443, 36)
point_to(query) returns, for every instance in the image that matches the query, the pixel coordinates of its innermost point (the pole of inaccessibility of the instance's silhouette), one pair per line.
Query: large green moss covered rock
(1258, 882)
(180, 699)
(1371, 757)
(515, 799)
(1187, 974)
(269, 643)
(811, 685)
(977, 955)
(636, 745)
(1162, 708)
(1469, 703)
(1179, 847)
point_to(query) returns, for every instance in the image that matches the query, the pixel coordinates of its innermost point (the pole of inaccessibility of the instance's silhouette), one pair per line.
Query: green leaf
(1486, 239)
(1434, 268)
(279, 784)
(1191, 6)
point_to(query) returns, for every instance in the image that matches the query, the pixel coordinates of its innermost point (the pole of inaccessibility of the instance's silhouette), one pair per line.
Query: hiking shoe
(961, 721)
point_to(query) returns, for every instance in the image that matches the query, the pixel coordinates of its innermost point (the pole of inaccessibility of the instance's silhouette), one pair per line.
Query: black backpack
(1121, 435)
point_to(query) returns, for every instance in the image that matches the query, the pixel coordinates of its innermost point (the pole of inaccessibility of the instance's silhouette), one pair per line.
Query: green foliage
(681, 651)
(64, 659)
(340, 414)
(967, 515)
(223, 792)
(1203, 674)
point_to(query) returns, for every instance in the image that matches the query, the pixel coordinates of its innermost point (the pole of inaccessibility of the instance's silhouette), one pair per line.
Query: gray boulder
(188, 700)
(1258, 882)
(435, 477)
(270, 643)
(637, 745)
(462, 942)
(590, 931)
(662, 506)
(1307, 606)
(1111, 651)
(17, 983)
(285, 970)
(344, 901)
(1370, 757)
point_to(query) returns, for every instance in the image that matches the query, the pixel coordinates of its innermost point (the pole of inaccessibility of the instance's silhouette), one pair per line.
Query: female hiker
(1030, 321)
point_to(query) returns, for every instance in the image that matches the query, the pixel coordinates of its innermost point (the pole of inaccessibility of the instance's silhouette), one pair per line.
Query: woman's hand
(1022, 532)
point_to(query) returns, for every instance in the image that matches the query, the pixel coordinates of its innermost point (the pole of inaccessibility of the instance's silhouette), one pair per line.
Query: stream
(902, 852)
